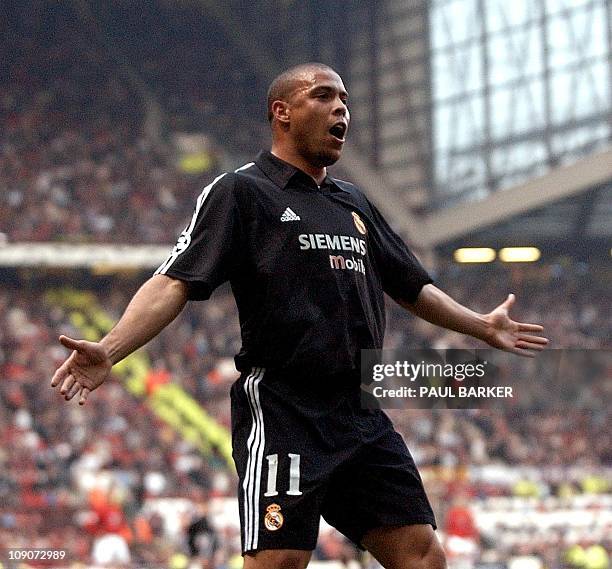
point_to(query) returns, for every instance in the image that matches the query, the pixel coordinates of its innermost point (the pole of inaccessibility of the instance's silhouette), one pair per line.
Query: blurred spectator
(201, 537)
(111, 550)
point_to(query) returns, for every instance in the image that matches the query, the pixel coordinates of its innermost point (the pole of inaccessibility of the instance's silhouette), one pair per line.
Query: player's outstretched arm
(157, 303)
(495, 328)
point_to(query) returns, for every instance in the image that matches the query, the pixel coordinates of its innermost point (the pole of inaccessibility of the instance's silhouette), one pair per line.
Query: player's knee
(431, 558)
(434, 557)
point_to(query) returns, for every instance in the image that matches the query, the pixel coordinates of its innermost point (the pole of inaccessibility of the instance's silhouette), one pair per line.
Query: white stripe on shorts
(256, 443)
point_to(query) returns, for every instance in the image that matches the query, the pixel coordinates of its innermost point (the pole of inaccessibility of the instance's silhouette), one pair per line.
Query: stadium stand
(77, 162)
(90, 154)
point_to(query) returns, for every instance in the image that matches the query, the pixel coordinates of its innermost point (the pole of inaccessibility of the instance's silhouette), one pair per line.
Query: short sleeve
(206, 251)
(401, 273)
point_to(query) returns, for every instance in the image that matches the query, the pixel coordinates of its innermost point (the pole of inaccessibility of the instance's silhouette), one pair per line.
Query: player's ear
(281, 111)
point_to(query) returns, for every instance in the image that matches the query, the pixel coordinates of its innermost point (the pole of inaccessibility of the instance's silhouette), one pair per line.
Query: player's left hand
(516, 337)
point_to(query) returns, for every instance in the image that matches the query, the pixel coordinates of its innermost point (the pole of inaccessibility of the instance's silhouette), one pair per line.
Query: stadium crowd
(84, 158)
(103, 469)
(68, 176)
(90, 149)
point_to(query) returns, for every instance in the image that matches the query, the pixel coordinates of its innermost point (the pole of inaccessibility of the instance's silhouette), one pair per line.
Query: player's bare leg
(405, 547)
(277, 559)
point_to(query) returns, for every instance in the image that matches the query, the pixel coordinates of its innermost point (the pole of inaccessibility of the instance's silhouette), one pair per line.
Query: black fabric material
(355, 469)
(309, 291)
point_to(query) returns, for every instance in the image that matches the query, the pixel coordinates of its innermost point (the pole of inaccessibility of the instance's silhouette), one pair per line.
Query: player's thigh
(277, 559)
(379, 487)
(405, 547)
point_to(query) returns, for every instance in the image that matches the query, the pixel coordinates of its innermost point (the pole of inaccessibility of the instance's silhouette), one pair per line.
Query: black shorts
(303, 451)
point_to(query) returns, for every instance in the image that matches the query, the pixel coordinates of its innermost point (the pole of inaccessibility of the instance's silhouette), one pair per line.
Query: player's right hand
(85, 369)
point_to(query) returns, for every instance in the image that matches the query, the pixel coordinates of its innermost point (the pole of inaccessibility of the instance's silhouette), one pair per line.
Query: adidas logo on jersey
(290, 215)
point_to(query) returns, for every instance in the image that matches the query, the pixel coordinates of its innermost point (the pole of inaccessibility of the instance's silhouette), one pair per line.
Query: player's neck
(293, 158)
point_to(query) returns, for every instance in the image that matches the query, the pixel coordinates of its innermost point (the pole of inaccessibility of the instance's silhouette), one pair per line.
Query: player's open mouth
(338, 131)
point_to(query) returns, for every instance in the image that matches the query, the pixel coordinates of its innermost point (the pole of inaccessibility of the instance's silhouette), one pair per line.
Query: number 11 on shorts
(294, 475)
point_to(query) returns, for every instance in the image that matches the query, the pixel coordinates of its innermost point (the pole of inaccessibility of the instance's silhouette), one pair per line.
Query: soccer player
(308, 258)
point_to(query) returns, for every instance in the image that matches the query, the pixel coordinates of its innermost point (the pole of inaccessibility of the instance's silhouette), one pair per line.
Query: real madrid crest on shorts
(359, 224)
(273, 519)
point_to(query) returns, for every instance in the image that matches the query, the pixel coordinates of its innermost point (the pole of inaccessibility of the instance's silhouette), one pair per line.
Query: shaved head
(309, 117)
(285, 83)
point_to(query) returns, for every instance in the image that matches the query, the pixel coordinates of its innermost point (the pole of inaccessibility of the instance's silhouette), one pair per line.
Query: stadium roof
(567, 210)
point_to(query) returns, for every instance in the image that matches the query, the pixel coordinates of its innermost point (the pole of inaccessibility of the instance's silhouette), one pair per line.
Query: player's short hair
(283, 84)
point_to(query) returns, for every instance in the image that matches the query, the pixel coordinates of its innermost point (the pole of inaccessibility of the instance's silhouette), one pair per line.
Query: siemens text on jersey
(334, 242)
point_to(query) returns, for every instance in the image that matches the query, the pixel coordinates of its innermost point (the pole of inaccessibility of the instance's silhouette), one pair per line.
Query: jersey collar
(281, 172)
